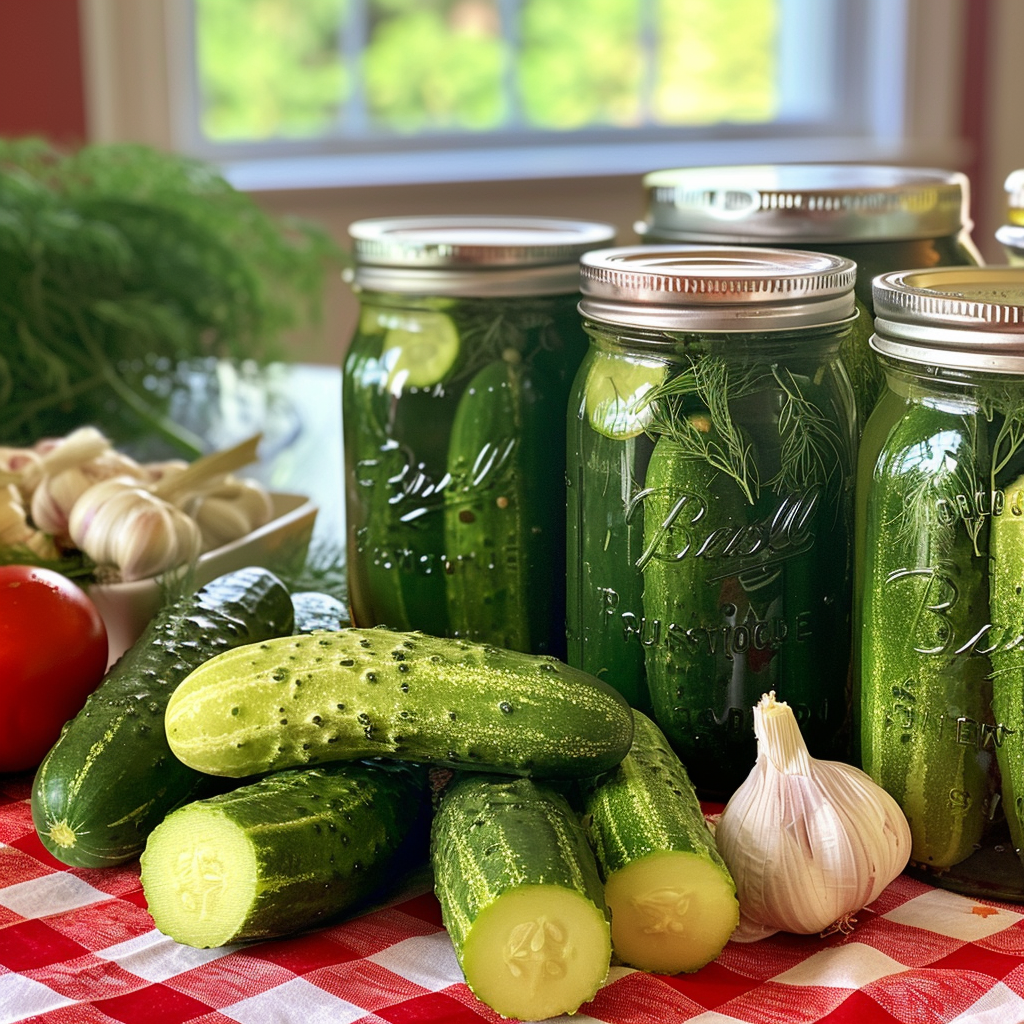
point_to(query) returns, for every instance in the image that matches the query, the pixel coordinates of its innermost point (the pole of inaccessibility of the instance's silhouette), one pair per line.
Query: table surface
(78, 947)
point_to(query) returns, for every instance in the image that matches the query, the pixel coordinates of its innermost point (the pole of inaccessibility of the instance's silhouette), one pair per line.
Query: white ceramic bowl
(127, 607)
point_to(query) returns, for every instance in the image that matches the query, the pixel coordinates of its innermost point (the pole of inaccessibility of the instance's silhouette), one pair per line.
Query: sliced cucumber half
(419, 351)
(616, 393)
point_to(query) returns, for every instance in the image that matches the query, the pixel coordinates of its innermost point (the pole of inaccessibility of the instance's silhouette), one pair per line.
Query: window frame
(907, 114)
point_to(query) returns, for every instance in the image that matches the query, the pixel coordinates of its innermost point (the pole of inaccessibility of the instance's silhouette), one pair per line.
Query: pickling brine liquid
(940, 620)
(710, 536)
(454, 420)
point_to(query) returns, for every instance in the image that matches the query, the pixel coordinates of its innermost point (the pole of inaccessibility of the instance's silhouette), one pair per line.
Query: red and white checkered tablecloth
(77, 947)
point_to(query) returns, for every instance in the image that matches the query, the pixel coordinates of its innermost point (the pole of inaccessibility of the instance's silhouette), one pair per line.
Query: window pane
(707, 71)
(435, 64)
(581, 71)
(366, 70)
(265, 72)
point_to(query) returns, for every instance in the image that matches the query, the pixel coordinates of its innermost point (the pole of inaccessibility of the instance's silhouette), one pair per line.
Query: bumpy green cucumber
(111, 778)
(377, 693)
(671, 896)
(281, 854)
(690, 601)
(1006, 580)
(520, 896)
(924, 697)
(501, 572)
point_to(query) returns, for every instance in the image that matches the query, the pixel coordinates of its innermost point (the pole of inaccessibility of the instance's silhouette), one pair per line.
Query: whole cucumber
(111, 778)
(377, 693)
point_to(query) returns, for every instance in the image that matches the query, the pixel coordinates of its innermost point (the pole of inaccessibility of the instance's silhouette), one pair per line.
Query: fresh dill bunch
(120, 265)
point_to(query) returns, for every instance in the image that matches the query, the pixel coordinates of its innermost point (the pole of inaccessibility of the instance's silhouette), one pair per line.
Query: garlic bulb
(809, 843)
(229, 511)
(67, 469)
(122, 525)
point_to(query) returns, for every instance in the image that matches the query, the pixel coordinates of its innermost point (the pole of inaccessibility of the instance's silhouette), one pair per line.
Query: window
(371, 92)
(366, 72)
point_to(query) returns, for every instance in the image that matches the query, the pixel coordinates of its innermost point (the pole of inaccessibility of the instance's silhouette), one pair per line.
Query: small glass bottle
(711, 440)
(1011, 234)
(884, 218)
(454, 392)
(939, 613)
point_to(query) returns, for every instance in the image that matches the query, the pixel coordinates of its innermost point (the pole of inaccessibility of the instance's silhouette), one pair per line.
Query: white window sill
(287, 172)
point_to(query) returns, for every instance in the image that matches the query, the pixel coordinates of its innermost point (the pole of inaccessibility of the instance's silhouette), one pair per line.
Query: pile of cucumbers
(274, 768)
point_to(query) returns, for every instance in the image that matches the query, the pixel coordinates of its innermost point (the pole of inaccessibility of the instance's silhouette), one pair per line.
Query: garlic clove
(809, 843)
(232, 510)
(120, 524)
(67, 469)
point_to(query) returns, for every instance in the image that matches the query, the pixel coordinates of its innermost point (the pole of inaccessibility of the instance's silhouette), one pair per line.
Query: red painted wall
(41, 89)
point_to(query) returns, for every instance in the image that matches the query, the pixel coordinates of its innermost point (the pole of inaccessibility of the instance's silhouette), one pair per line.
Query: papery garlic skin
(15, 529)
(229, 511)
(65, 471)
(809, 843)
(121, 525)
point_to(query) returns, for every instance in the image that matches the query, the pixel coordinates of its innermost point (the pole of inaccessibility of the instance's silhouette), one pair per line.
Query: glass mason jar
(939, 613)
(884, 218)
(1011, 234)
(710, 511)
(454, 393)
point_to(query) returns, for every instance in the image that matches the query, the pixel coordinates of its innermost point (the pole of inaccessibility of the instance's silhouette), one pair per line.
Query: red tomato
(53, 654)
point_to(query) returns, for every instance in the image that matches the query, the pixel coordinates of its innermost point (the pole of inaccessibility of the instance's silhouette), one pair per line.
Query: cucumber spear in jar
(504, 534)
(923, 686)
(732, 563)
(1006, 600)
(607, 430)
(399, 580)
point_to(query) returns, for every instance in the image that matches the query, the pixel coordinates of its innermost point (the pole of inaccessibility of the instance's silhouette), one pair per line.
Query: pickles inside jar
(399, 365)
(745, 563)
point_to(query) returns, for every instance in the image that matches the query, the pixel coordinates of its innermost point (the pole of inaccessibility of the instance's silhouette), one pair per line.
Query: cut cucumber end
(537, 952)
(671, 912)
(615, 395)
(420, 351)
(199, 877)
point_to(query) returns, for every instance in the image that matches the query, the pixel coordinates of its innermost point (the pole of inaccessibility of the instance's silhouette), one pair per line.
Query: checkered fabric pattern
(78, 947)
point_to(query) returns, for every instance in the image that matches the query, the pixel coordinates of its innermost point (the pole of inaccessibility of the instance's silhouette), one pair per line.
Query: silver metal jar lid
(716, 288)
(480, 256)
(961, 318)
(775, 204)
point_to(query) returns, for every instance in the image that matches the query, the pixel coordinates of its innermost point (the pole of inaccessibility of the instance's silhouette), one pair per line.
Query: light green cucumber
(520, 896)
(377, 693)
(924, 693)
(671, 896)
(282, 854)
(498, 530)
(111, 778)
(1006, 581)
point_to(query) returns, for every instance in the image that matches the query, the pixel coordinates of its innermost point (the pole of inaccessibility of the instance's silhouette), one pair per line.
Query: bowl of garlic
(132, 527)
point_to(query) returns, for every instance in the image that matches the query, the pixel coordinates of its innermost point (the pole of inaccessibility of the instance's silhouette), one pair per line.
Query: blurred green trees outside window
(369, 69)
